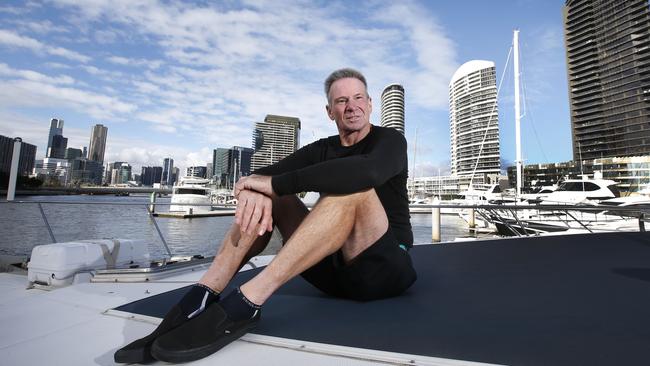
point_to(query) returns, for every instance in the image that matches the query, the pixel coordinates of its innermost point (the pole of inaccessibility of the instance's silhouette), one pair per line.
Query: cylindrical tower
(392, 107)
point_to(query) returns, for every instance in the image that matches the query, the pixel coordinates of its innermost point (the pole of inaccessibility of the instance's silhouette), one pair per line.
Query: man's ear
(329, 112)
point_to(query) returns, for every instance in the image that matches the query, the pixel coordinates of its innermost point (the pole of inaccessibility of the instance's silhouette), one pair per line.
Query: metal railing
(149, 206)
(506, 213)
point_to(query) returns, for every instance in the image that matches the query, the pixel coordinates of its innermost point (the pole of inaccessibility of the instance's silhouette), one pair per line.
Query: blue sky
(182, 78)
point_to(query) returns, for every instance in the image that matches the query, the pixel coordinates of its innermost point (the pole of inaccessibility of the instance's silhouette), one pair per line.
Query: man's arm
(349, 174)
(253, 209)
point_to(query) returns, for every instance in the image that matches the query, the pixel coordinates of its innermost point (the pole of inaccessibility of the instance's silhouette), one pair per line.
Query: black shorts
(382, 270)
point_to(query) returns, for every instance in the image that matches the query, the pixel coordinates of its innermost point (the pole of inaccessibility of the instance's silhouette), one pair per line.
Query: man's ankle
(238, 306)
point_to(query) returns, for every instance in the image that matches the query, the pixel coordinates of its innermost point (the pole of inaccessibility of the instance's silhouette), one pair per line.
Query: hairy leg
(349, 222)
(237, 247)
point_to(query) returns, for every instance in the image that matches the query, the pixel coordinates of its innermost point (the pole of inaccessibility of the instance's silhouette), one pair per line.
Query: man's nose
(351, 105)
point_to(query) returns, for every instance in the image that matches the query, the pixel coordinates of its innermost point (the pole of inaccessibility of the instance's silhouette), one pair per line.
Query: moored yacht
(191, 195)
(573, 191)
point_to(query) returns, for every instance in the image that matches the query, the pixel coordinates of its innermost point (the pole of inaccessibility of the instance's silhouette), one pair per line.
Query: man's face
(349, 105)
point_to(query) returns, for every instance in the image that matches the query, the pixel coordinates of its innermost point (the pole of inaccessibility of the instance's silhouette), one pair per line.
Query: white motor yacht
(191, 195)
(573, 191)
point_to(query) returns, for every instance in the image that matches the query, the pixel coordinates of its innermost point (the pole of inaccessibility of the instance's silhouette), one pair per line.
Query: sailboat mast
(515, 42)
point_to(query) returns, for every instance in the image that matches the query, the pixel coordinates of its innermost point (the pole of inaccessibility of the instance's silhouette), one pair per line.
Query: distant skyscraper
(608, 60)
(274, 139)
(209, 170)
(58, 147)
(26, 159)
(120, 172)
(151, 175)
(472, 113)
(85, 152)
(392, 107)
(97, 145)
(176, 175)
(168, 172)
(56, 128)
(231, 164)
(56, 143)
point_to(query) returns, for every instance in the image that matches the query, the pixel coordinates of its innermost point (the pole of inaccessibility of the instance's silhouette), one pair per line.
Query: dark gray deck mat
(558, 300)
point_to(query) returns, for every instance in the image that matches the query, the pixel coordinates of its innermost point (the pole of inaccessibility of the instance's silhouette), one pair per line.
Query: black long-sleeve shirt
(378, 161)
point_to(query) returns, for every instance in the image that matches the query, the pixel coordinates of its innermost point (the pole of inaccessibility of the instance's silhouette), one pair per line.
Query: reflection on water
(22, 227)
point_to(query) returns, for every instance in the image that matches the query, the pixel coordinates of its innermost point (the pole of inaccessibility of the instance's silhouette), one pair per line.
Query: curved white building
(472, 112)
(392, 107)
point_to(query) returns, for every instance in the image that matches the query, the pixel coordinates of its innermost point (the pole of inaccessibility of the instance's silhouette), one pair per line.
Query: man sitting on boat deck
(353, 244)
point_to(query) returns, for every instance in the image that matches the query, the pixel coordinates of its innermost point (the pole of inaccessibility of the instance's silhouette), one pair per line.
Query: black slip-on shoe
(201, 336)
(193, 303)
(139, 351)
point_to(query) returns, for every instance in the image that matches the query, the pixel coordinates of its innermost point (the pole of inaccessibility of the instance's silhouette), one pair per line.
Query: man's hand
(257, 183)
(254, 208)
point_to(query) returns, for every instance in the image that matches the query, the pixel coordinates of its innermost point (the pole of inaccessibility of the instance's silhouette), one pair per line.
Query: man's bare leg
(237, 247)
(350, 222)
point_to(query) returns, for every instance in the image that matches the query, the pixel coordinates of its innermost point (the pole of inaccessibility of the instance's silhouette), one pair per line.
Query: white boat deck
(75, 325)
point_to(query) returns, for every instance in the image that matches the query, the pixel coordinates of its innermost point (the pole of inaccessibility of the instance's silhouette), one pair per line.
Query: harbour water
(22, 225)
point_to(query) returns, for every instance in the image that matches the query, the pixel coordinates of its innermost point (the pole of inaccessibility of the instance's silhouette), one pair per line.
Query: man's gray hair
(342, 74)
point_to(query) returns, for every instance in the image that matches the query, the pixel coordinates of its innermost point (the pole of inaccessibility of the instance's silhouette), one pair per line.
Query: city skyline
(180, 89)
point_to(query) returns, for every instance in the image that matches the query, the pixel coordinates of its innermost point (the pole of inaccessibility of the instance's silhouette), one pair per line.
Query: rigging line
(487, 128)
(527, 108)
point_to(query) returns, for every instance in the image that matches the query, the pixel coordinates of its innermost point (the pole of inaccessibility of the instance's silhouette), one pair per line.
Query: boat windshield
(614, 190)
(578, 187)
(198, 191)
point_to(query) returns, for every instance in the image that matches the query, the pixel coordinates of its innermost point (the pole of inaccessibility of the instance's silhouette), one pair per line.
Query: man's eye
(341, 101)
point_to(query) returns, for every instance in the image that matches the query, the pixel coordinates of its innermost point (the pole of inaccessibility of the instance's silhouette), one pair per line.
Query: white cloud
(208, 72)
(26, 88)
(9, 38)
(7, 71)
(152, 64)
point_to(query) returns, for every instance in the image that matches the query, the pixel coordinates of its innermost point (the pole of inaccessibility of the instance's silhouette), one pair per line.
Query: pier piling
(152, 199)
(435, 222)
(472, 218)
(13, 172)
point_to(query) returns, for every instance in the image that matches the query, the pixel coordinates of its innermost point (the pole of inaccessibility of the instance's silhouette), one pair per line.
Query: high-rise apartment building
(97, 145)
(25, 161)
(274, 139)
(608, 61)
(231, 164)
(474, 120)
(168, 172)
(392, 107)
